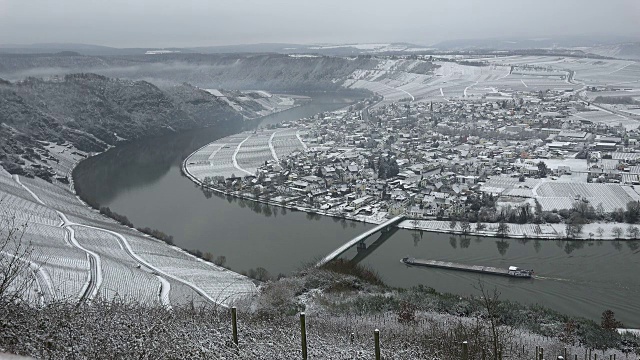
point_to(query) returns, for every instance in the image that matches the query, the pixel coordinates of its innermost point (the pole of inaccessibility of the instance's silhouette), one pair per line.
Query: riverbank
(87, 255)
(145, 181)
(121, 262)
(593, 231)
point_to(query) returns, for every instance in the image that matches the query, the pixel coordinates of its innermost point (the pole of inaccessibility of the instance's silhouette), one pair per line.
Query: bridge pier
(359, 240)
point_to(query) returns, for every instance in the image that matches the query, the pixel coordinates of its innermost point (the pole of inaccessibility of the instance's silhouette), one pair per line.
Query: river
(142, 180)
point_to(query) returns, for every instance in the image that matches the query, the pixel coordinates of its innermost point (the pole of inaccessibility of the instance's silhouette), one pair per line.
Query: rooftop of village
(540, 154)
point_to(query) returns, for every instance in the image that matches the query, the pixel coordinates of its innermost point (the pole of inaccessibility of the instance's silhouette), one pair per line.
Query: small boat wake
(539, 277)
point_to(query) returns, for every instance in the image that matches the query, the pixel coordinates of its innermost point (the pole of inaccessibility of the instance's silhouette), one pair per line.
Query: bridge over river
(339, 251)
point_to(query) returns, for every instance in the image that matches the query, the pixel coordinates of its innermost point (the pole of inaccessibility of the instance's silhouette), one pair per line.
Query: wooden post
(537, 352)
(565, 354)
(234, 325)
(303, 333)
(541, 353)
(376, 339)
(465, 350)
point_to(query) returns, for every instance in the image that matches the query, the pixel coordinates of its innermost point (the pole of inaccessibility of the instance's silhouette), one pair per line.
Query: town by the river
(143, 181)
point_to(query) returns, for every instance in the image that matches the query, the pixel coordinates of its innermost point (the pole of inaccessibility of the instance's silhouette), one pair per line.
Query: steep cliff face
(91, 112)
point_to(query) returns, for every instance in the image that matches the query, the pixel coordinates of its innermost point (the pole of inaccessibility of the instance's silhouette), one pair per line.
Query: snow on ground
(564, 191)
(529, 231)
(395, 81)
(611, 196)
(243, 153)
(271, 103)
(122, 276)
(599, 116)
(131, 263)
(636, 332)
(215, 92)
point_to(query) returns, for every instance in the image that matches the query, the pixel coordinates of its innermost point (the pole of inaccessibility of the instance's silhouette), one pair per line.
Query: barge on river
(512, 271)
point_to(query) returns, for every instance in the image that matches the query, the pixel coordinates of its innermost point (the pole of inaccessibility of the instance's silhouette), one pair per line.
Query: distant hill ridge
(276, 72)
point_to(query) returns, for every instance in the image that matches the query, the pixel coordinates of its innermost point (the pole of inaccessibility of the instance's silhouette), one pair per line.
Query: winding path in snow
(216, 151)
(94, 276)
(272, 148)
(300, 139)
(467, 88)
(94, 281)
(442, 94)
(40, 276)
(235, 154)
(163, 294)
(394, 88)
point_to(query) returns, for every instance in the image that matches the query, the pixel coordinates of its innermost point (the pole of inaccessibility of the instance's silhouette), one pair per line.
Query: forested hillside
(92, 112)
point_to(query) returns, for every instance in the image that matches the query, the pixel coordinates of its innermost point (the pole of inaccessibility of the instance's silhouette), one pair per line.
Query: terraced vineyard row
(79, 254)
(242, 155)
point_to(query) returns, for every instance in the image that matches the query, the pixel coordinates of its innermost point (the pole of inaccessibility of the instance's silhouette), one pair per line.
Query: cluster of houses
(425, 160)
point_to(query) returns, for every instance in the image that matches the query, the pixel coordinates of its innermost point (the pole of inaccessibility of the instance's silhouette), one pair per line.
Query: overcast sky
(167, 23)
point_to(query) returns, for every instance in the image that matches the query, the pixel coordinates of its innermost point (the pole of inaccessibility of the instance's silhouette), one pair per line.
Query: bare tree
(16, 275)
(499, 334)
(617, 232)
(573, 230)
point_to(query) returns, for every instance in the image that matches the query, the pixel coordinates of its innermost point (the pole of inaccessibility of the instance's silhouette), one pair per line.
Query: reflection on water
(140, 163)
(576, 277)
(502, 245)
(142, 180)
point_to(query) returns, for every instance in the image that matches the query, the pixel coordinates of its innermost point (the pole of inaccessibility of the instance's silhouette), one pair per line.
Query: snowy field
(395, 80)
(594, 72)
(562, 193)
(243, 153)
(611, 196)
(79, 254)
(599, 116)
(270, 103)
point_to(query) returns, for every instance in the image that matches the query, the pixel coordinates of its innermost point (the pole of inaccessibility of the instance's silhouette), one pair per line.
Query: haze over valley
(286, 180)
